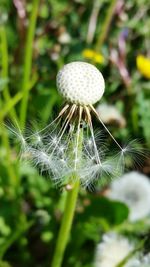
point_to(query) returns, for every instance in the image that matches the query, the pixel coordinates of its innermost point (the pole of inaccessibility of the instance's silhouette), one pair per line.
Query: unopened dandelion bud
(80, 83)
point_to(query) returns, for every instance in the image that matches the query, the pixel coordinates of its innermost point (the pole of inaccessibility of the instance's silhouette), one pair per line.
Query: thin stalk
(7, 97)
(106, 25)
(66, 224)
(69, 210)
(10, 167)
(4, 71)
(93, 21)
(15, 99)
(28, 62)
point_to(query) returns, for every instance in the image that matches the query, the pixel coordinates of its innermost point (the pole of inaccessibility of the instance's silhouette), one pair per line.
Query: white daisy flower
(133, 189)
(112, 250)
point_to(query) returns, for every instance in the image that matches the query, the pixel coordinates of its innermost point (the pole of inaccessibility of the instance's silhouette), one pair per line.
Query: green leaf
(112, 211)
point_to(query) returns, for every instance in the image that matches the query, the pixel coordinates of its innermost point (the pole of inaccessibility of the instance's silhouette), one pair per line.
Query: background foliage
(30, 206)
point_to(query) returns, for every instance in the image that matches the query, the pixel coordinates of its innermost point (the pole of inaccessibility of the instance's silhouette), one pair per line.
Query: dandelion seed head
(139, 260)
(133, 189)
(80, 83)
(68, 148)
(112, 250)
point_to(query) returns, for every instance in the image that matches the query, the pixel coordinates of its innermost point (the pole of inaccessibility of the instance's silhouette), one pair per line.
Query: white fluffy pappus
(112, 250)
(115, 248)
(139, 260)
(133, 189)
(67, 148)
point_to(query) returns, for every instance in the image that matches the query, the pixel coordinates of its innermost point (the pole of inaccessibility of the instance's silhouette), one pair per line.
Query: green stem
(15, 99)
(70, 205)
(28, 61)
(106, 25)
(66, 225)
(7, 97)
(4, 71)
(10, 167)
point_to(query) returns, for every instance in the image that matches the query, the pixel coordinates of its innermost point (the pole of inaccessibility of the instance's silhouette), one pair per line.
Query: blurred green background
(36, 39)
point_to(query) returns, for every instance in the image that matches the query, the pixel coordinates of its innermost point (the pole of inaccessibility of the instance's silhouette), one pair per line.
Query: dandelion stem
(66, 225)
(28, 61)
(70, 205)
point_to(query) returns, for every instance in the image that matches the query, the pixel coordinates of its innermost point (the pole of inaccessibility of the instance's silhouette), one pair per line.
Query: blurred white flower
(133, 189)
(140, 261)
(55, 53)
(110, 114)
(112, 250)
(64, 38)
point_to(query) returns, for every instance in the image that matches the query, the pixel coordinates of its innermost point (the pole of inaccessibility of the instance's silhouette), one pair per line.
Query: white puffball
(80, 83)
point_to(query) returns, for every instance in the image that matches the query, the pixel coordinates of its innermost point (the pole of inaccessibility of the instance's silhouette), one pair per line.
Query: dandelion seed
(57, 148)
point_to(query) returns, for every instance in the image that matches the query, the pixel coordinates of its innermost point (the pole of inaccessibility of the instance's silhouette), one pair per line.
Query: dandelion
(112, 250)
(133, 189)
(93, 55)
(143, 65)
(115, 249)
(67, 149)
